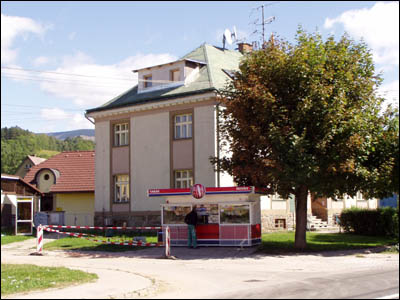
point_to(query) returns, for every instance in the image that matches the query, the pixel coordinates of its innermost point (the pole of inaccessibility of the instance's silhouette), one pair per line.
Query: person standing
(191, 221)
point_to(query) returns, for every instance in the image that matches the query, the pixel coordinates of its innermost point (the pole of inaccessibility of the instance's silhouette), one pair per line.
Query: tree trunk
(301, 193)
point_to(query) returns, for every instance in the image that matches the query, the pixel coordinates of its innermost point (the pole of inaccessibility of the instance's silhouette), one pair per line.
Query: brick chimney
(245, 48)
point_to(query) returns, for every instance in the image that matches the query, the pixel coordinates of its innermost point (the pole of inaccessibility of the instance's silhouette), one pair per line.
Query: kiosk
(227, 216)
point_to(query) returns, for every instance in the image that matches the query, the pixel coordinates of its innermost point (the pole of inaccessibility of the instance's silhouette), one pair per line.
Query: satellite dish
(234, 33)
(228, 36)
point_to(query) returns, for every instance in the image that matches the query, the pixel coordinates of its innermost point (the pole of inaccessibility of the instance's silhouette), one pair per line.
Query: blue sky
(79, 55)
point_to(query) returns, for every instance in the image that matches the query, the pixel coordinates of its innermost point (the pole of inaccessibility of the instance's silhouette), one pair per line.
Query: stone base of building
(131, 219)
(271, 221)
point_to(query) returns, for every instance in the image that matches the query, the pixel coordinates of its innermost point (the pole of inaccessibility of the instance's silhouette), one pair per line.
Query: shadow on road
(212, 253)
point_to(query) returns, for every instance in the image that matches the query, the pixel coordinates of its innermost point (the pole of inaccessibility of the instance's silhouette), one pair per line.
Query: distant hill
(86, 134)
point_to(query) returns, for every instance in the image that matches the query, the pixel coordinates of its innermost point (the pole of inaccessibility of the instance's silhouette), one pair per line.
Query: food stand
(227, 216)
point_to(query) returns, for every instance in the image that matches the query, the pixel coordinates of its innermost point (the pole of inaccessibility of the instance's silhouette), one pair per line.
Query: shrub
(381, 221)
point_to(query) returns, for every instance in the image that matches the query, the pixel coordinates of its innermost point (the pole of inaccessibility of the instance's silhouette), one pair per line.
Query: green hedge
(381, 221)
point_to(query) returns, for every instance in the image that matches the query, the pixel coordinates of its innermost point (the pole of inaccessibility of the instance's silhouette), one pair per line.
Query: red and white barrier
(41, 228)
(128, 243)
(98, 227)
(39, 240)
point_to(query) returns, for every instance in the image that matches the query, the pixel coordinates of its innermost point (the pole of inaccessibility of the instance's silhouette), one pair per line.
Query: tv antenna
(264, 21)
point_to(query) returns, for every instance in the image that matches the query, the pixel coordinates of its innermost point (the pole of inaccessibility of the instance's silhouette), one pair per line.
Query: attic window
(148, 81)
(174, 75)
(46, 177)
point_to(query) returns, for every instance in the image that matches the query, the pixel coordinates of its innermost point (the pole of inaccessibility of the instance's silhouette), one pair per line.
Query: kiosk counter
(228, 216)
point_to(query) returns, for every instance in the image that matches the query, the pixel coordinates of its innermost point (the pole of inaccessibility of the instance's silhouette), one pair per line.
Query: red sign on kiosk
(198, 191)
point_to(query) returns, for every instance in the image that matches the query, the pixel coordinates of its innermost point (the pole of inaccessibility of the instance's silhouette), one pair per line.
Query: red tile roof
(76, 170)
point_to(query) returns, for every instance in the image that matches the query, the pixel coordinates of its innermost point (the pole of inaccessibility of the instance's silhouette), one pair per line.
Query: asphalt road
(367, 284)
(215, 272)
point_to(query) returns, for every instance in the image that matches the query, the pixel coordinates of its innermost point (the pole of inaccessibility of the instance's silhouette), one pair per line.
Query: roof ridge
(208, 66)
(76, 151)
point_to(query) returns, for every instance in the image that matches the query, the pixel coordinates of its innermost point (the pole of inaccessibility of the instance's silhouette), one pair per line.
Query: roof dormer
(167, 75)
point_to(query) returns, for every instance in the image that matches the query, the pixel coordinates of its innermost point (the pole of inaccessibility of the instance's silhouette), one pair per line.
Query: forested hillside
(17, 143)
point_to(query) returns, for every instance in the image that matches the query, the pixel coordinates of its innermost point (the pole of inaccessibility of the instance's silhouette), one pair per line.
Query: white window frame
(184, 180)
(148, 81)
(183, 126)
(121, 136)
(121, 182)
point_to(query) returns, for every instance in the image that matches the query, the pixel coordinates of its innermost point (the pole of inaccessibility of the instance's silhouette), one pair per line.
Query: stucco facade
(152, 156)
(78, 208)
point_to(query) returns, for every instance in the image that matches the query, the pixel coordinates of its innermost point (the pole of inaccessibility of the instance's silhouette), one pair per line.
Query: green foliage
(8, 239)
(308, 115)
(17, 143)
(73, 243)
(282, 242)
(306, 118)
(379, 222)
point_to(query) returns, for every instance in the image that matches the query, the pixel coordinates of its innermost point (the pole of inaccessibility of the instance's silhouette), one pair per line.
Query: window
(175, 75)
(280, 223)
(121, 134)
(183, 126)
(121, 188)
(183, 179)
(235, 214)
(46, 177)
(175, 214)
(148, 81)
(28, 166)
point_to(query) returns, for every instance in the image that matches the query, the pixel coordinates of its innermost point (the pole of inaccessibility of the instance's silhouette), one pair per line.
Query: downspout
(218, 149)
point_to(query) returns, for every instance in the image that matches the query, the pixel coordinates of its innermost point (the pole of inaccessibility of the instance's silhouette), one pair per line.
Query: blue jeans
(192, 239)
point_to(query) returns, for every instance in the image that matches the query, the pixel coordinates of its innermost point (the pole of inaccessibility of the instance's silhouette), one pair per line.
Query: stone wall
(268, 220)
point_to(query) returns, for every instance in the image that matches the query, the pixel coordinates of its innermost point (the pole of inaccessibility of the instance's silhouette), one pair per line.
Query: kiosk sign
(198, 191)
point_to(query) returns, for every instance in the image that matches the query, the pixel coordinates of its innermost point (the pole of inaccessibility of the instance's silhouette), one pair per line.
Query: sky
(59, 59)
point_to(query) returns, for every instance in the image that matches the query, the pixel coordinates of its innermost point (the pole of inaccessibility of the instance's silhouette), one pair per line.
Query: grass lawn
(8, 239)
(24, 278)
(72, 243)
(284, 242)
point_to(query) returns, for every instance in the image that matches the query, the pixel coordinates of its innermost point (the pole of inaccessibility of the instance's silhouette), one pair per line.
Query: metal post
(39, 240)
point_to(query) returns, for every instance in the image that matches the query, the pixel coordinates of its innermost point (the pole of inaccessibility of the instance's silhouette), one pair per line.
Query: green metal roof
(211, 78)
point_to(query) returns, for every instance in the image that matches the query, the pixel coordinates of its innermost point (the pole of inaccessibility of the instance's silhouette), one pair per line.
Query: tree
(305, 118)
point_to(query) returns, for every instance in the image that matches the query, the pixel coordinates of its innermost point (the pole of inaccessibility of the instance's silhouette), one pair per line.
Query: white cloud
(53, 114)
(378, 26)
(70, 121)
(108, 81)
(390, 91)
(11, 27)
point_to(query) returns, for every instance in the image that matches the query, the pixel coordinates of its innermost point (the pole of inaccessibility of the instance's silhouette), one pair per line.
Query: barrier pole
(167, 242)
(39, 240)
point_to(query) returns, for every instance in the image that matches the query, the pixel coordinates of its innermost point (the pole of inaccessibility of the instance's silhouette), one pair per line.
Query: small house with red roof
(67, 183)
(13, 190)
(27, 163)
